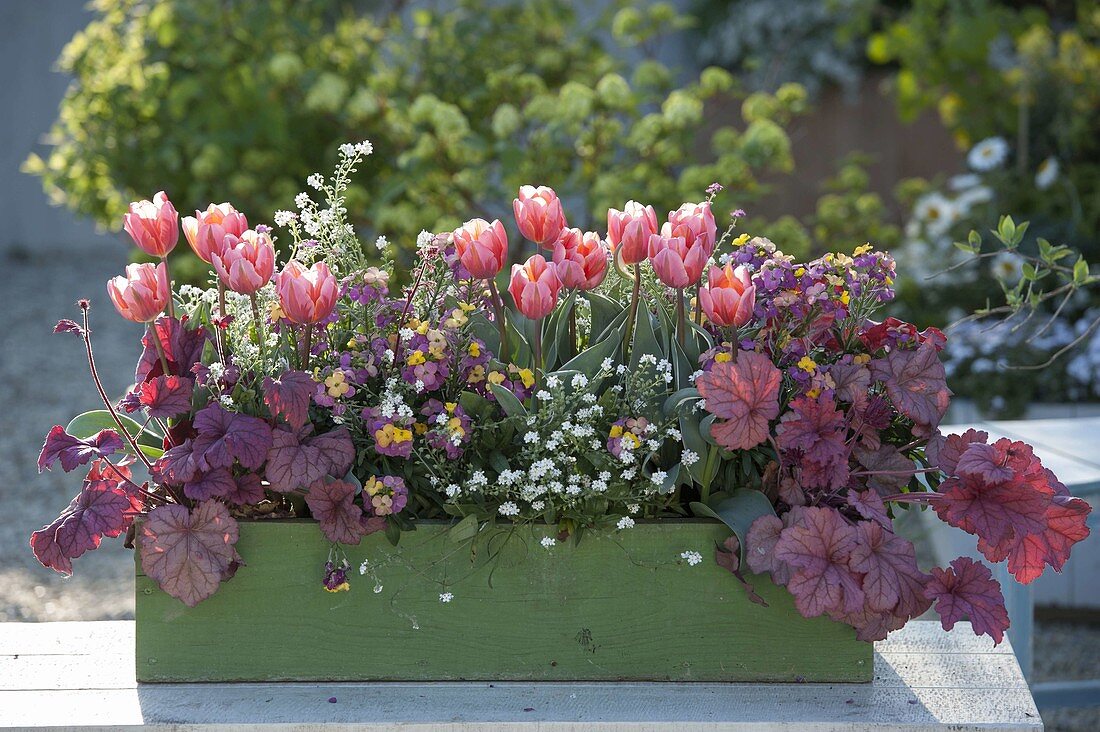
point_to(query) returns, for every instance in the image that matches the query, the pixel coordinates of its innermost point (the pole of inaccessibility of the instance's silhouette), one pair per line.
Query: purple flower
(388, 494)
(336, 576)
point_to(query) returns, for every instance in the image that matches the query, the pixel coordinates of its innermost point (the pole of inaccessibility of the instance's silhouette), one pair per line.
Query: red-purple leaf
(100, 509)
(852, 382)
(293, 464)
(1066, 524)
(216, 483)
(944, 452)
(337, 450)
(995, 512)
(890, 470)
(815, 431)
(820, 547)
(744, 393)
(182, 349)
(967, 589)
(166, 396)
(188, 552)
(73, 452)
(889, 567)
(225, 436)
(248, 489)
(176, 466)
(289, 395)
(760, 549)
(728, 555)
(916, 384)
(984, 462)
(869, 505)
(332, 503)
(68, 326)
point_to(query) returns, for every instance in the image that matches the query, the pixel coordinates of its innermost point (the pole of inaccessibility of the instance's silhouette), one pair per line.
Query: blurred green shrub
(217, 100)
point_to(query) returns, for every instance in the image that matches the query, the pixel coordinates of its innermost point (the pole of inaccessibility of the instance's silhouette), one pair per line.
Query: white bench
(80, 675)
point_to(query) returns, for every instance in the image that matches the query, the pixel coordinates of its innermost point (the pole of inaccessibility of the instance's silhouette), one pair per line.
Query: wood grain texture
(620, 606)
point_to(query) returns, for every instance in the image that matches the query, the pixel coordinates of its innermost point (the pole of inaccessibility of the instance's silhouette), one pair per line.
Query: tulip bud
(580, 259)
(306, 295)
(534, 287)
(630, 229)
(142, 293)
(206, 230)
(482, 247)
(729, 296)
(245, 264)
(153, 225)
(539, 215)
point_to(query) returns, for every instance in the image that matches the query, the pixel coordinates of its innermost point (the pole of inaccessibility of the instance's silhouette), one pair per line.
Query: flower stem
(160, 348)
(681, 321)
(259, 329)
(221, 299)
(308, 347)
(171, 300)
(698, 306)
(634, 297)
(498, 315)
(574, 347)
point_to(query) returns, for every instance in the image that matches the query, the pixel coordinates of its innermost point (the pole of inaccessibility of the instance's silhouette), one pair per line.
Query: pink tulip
(630, 229)
(206, 230)
(306, 295)
(153, 225)
(539, 215)
(729, 296)
(534, 287)
(676, 263)
(695, 222)
(142, 293)
(580, 259)
(245, 264)
(482, 247)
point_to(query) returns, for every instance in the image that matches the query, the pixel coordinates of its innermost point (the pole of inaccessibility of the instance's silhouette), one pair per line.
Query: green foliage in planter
(216, 100)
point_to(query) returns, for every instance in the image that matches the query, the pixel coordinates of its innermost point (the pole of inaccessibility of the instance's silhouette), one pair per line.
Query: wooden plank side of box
(620, 606)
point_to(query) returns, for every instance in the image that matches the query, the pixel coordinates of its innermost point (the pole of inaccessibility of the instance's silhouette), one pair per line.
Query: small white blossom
(692, 558)
(543, 395)
(548, 541)
(580, 381)
(424, 238)
(552, 382)
(282, 218)
(381, 243)
(302, 200)
(226, 401)
(658, 478)
(633, 508)
(625, 523)
(689, 458)
(446, 597)
(363, 567)
(538, 505)
(607, 364)
(316, 181)
(509, 508)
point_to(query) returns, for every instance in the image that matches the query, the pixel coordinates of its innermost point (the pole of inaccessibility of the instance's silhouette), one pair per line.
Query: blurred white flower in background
(988, 154)
(936, 212)
(1047, 173)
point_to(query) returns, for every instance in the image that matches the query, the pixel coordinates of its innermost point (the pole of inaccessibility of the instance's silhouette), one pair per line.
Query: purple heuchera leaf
(869, 505)
(166, 396)
(332, 503)
(744, 393)
(294, 462)
(814, 430)
(892, 581)
(1066, 524)
(289, 396)
(73, 452)
(819, 548)
(225, 436)
(247, 489)
(182, 349)
(852, 382)
(967, 589)
(176, 465)
(996, 512)
(68, 326)
(916, 384)
(760, 548)
(187, 552)
(216, 483)
(100, 509)
(892, 469)
(944, 451)
(984, 461)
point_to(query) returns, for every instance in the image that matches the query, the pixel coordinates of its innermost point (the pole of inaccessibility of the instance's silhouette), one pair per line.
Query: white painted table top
(80, 676)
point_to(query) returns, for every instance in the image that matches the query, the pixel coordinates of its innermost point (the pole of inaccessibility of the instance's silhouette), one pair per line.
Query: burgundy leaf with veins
(852, 382)
(187, 552)
(298, 462)
(995, 512)
(889, 567)
(967, 589)
(176, 466)
(744, 393)
(100, 509)
(814, 430)
(869, 505)
(332, 503)
(944, 451)
(1066, 524)
(289, 396)
(247, 489)
(216, 483)
(182, 348)
(68, 326)
(916, 384)
(337, 450)
(73, 452)
(820, 548)
(166, 396)
(760, 541)
(225, 436)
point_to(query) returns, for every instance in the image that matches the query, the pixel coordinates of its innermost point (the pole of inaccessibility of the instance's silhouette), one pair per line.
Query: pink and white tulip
(482, 247)
(539, 215)
(246, 263)
(629, 230)
(153, 225)
(580, 259)
(206, 230)
(534, 287)
(729, 296)
(675, 263)
(142, 293)
(306, 296)
(695, 222)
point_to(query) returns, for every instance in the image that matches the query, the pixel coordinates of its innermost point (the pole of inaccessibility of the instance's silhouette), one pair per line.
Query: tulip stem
(259, 329)
(498, 315)
(221, 299)
(171, 299)
(160, 349)
(574, 347)
(634, 297)
(538, 353)
(681, 322)
(308, 346)
(698, 305)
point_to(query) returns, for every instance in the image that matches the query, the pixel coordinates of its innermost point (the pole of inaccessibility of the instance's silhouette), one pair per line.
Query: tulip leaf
(85, 425)
(605, 312)
(645, 338)
(738, 511)
(508, 401)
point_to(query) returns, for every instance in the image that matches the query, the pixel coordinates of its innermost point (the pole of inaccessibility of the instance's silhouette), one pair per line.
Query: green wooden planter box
(618, 606)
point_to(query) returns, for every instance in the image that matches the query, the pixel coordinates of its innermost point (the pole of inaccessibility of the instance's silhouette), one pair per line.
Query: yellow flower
(496, 377)
(616, 431)
(420, 427)
(477, 375)
(450, 407)
(456, 319)
(633, 438)
(807, 364)
(466, 307)
(800, 271)
(391, 435)
(723, 357)
(845, 297)
(863, 249)
(275, 312)
(862, 358)
(343, 587)
(474, 349)
(454, 424)
(416, 358)
(812, 393)
(527, 377)
(372, 486)
(740, 240)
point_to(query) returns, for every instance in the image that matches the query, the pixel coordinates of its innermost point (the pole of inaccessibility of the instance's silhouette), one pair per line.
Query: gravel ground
(44, 380)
